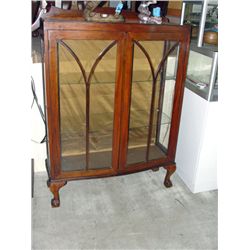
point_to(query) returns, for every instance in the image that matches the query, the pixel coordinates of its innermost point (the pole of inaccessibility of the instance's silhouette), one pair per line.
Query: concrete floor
(126, 212)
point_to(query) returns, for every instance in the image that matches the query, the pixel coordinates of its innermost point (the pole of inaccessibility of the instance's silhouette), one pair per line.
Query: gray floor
(126, 212)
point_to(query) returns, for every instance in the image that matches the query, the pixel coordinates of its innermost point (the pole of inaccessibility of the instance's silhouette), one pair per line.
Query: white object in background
(38, 150)
(42, 11)
(196, 155)
(58, 3)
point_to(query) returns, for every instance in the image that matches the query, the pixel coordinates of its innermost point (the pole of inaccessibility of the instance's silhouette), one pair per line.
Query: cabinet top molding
(74, 20)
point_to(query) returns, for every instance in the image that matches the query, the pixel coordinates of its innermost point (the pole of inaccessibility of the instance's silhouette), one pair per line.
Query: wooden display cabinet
(113, 97)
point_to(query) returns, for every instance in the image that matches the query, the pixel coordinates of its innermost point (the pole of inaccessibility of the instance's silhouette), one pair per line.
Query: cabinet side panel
(45, 51)
(178, 96)
(52, 105)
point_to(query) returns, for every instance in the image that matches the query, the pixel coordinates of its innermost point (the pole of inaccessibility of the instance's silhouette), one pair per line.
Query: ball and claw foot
(170, 170)
(167, 183)
(55, 203)
(54, 187)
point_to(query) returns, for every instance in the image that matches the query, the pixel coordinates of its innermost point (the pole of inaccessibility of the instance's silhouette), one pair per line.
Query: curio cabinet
(113, 95)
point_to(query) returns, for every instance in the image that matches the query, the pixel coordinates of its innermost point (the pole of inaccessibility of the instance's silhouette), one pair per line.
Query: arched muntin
(87, 81)
(73, 54)
(154, 76)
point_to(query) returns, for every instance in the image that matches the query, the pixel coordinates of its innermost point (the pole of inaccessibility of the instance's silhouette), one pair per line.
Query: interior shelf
(73, 141)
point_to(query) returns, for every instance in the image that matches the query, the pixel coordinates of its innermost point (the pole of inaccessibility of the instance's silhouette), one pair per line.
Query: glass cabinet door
(152, 91)
(87, 77)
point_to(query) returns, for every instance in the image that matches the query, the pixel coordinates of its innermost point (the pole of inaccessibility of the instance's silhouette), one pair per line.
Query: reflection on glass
(86, 89)
(102, 92)
(151, 101)
(199, 68)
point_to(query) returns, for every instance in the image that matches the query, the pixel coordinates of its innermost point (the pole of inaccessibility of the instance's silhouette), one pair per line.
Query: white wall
(196, 155)
(38, 150)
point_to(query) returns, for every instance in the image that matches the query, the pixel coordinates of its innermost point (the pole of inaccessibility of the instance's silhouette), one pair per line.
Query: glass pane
(86, 113)
(151, 108)
(193, 12)
(164, 103)
(167, 105)
(102, 92)
(72, 111)
(199, 68)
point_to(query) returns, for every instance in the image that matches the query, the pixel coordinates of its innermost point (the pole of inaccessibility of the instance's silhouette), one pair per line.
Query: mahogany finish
(54, 187)
(170, 170)
(125, 36)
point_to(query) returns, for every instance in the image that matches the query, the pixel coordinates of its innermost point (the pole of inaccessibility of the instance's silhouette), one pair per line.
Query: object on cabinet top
(92, 16)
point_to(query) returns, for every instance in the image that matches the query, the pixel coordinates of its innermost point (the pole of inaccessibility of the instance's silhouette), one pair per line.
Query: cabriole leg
(170, 170)
(54, 187)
